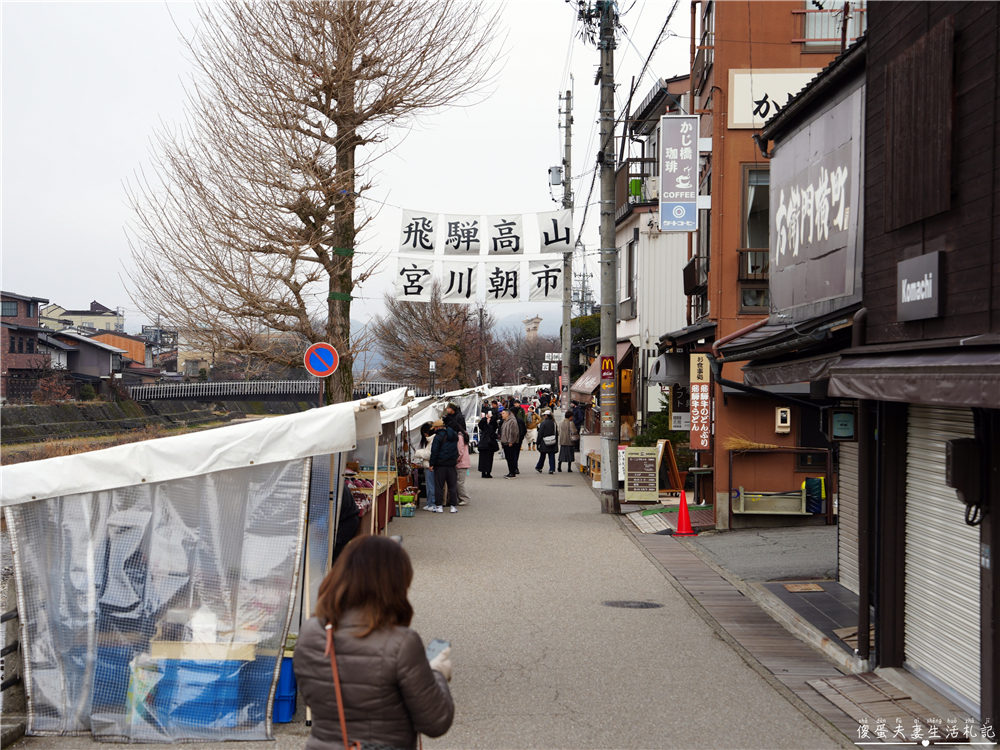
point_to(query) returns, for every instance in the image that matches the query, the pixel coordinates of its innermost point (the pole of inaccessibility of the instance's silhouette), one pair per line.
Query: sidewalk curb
(785, 616)
(804, 708)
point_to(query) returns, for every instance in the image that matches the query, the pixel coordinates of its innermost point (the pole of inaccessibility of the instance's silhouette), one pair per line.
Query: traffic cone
(684, 520)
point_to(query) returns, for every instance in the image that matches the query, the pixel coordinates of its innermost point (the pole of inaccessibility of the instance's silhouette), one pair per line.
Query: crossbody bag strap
(336, 683)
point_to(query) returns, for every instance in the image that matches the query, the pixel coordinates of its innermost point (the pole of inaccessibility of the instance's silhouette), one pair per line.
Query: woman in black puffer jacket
(390, 691)
(547, 443)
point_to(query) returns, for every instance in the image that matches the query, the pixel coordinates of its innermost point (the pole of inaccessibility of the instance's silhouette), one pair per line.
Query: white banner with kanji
(417, 234)
(503, 281)
(458, 281)
(545, 280)
(462, 234)
(414, 278)
(506, 235)
(555, 230)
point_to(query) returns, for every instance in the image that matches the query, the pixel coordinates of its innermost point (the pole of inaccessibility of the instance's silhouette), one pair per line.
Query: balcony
(823, 29)
(635, 184)
(696, 275)
(754, 265)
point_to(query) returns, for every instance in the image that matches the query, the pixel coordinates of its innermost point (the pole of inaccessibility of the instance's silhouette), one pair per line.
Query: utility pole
(567, 325)
(608, 398)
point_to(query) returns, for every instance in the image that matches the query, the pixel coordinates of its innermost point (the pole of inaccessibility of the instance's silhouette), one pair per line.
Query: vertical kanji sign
(679, 173)
(701, 403)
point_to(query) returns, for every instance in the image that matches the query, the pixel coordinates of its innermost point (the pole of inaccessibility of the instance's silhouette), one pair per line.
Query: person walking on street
(386, 691)
(577, 415)
(488, 443)
(510, 442)
(547, 439)
(463, 464)
(568, 440)
(532, 420)
(444, 456)
(522, 431)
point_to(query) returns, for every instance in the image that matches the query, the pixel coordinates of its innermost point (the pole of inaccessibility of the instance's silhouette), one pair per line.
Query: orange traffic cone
(684, 521)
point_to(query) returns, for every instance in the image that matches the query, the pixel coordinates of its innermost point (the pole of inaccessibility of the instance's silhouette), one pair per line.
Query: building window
(20, 345)
(12, 346)
(823, 24)
(811, 436)
(9, 309)
(756, 204)
(29, 346)
(754, 295)
(755, 298)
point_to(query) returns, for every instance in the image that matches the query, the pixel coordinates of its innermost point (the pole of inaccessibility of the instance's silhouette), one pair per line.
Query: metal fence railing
(224, 389)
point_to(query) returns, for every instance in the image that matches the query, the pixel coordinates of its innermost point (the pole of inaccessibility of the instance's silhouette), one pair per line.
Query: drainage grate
(560, 485)
(633, 605)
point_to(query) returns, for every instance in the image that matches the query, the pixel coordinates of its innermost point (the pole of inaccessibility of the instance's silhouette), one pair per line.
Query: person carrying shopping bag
(547, 439)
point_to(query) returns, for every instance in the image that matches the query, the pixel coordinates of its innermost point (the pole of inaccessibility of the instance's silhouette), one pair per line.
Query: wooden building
(917, 383)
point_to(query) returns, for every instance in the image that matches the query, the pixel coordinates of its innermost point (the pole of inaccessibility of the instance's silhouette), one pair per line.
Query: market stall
(157, 582)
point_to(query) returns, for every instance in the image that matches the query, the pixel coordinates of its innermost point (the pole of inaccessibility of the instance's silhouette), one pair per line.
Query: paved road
(516, 582)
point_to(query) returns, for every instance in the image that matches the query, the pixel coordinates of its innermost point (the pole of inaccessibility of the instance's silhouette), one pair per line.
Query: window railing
(823, 28)
(754, 265)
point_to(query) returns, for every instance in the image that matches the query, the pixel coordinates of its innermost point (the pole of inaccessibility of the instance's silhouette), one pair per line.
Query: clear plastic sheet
(158, 612)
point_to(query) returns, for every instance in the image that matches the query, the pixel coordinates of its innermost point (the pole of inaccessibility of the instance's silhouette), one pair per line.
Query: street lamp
(432, 368)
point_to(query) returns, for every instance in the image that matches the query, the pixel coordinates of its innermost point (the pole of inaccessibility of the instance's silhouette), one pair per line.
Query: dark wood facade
(934, 183)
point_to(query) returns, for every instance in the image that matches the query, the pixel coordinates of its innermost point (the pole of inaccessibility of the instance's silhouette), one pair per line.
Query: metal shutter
(847, 517)
(942, 606)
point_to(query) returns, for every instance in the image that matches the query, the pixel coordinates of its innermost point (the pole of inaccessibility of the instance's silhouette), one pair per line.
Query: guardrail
(224, 389)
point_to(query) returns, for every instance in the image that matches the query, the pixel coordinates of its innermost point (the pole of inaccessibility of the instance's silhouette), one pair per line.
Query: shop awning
(796, 371)
(934, 378)
(703, 330)
(589, 381)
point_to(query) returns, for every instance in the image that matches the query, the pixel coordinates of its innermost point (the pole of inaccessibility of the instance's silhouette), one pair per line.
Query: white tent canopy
(324, 431)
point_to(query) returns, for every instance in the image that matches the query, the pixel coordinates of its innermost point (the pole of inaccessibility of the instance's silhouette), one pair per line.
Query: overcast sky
(86, 85)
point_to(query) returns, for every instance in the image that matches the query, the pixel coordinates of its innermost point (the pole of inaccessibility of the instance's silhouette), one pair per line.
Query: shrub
(87, 393)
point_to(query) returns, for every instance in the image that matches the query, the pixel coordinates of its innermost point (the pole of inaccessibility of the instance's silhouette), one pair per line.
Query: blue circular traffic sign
(321, 359)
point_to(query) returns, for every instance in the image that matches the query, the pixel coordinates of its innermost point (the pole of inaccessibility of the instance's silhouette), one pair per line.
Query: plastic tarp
(331, 429)
(158, 612)
(156, 581)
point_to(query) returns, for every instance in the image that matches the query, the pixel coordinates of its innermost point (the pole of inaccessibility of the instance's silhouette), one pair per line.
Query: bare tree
(250, 226)
(522, 358)
(457, 337)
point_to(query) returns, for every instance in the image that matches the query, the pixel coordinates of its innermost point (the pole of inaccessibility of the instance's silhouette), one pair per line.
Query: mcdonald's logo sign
(607, 368)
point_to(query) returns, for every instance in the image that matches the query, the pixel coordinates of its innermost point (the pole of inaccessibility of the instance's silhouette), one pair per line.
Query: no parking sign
(321, 359)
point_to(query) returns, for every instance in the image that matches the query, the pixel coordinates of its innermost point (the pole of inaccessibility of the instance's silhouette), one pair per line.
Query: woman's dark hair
(425, 429)
(569, 414)
(372, 575)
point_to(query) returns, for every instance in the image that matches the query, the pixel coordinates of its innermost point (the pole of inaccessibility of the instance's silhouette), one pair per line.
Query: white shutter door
(942, 607)
(847, 517)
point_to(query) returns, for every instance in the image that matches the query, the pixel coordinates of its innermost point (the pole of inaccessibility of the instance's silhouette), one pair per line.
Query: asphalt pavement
(518, 582)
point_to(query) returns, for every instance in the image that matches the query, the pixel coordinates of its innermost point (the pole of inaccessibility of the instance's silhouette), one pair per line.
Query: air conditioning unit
(652, 188)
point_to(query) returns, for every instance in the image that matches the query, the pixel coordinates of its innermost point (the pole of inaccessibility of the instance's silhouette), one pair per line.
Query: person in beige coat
(390, 691)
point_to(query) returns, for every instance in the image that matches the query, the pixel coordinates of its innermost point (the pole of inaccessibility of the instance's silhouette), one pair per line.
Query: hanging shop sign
(918, 287)
(679, 173)
(701, 403)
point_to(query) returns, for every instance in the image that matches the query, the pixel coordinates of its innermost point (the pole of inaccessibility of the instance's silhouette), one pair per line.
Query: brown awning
(798, 371)
(589, 381)
(934, 378)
